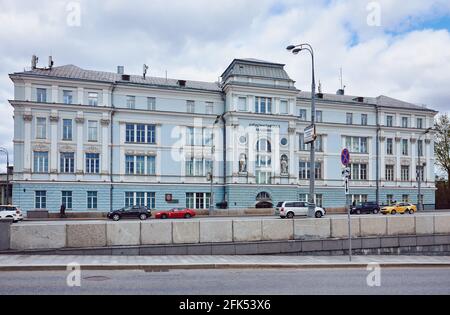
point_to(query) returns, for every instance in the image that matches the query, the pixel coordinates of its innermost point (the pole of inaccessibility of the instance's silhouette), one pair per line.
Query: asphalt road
(394, 281)
(230, 217)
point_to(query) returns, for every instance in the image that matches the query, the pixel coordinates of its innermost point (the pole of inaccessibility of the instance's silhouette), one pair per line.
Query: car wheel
(143, 217)
(411, 211)
(318, 214)
(358, 211)
(187, 216)
(375, 211)
(164, 216)
(290, 215)
(116, 217)
(393, 212)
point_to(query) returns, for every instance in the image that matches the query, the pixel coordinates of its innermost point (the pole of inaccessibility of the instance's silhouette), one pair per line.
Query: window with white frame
(389, 199)
(67, 130)
(263, 177)
(318, 199)
(404, 172)
(389, 170)
(359, 198)
(197, 167)
(92, 200)
(209, 108)
(151, 103)
(389, 121)
(41, 128)
(304, 173)
(190, 105)
(349, 118)
(319, 118)
(302, 114)
(41, 95)
(140, 165)
(66, 199)
(67, 96)
(405, 122)
(40, 162)
(405, 198)
(198, 200)
(139, 198)
(131, 102)
(419, 123)
(92, 163)
(93, 99)
(358, 171)
(420, 172)
(389, 146)
(140, 133)
(92, 131)
(405, 149)
(364, 119)
(242, 104)
(420, 148)
(284, 107)
(198, 136)
(67, 162)
(318, 144)
(40, 199)
(263, 105)
(356, 144)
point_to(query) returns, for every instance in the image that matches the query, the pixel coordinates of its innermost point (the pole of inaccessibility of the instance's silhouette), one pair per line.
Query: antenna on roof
(34, 61)
(144, 70)
(341, 91)
(50, 62)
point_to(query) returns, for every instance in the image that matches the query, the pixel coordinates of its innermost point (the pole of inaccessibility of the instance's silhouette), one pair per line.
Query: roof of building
(256, 68)
(77, 73)
(381, 100)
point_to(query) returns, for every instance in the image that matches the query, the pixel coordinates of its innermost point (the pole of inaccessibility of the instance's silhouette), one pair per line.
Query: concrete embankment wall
(225, 236)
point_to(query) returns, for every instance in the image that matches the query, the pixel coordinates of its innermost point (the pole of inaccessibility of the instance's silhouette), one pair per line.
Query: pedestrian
(62, 211)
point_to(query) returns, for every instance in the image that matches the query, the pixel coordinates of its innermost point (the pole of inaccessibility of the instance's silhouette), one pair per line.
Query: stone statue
(284, 165)
(243, 164)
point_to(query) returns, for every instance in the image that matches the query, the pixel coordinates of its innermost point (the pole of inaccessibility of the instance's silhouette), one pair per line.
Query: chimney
(120, 69)
(182, 83)
(34, 61)
(50, 62)
(340, 92)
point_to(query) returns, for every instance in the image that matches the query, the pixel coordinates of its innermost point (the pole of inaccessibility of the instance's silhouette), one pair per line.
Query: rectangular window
(151, 134)
(66, 199)
(364, 119)
(129, 133)
(140, 133)
(319, 116)
(389, 199)
(389, 121)
(129, 164)
(40, 199)
(209, 108)
(318, 145)
(41, 162)
(67, 129)
(140, 165)
(242, 104)
(196, 167)
(151, 103)
(389, 173)
(263, 105)
(405, 198)
(92, 131)
(389, 146)
(67, 97)
(319, 200)
(67, 162)
(405, 122)
(420, 173)
(92, 200)
(41, 128)
(151, 165)
(303, 197)
(151, 200)
(140, 199)
(92, 163)
(284, 108)
(129, 199)
(356, 144)
(358, 171)
(405, 173)
(420, 123)
(41, 95)
(198, 200)
(131, 102)
(190, 106)
(359, 198)
(349, 118)
(405, 150)
(302, 114)
(93, 99)
(207, 136)
(420, 148)
(304, 170)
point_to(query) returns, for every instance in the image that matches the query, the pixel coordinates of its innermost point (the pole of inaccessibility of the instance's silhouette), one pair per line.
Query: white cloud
(197, 39)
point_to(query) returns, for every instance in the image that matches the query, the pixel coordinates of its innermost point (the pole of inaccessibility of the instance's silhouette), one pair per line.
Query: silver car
(290, 209)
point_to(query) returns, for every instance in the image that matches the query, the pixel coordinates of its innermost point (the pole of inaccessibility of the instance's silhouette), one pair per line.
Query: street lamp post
(7, 174)
(419, 173)
(312, 165)
(211, 174)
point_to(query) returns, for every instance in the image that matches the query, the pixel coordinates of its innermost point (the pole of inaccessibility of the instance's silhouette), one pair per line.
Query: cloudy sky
(392, 47)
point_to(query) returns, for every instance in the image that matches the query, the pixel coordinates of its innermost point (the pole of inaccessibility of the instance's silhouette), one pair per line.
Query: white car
(290, 209)
(11, 212)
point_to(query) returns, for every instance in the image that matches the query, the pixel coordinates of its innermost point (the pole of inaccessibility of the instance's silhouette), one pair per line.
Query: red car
(175, 213)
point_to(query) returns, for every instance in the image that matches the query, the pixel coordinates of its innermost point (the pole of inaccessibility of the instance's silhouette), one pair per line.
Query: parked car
(134, 212)
(175, 213)
(290, 209)
(11, 212)
(401, 207)
(365, 207)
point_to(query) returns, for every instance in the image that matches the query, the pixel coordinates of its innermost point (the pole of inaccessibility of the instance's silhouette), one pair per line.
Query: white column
(80, 140)
(105, 123)
(382, 158)
(372, 169)
(398, 156)
(252, 137)
(276, 106)
(105, 98)
(27, 117)
(251, 103)
(80, 96)
(430, 164)
(55, 94)
(292, 161)
(54, 144)
(413, 158)
(28, 91)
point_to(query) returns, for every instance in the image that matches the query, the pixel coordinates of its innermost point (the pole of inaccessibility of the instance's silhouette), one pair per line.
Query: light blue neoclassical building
(96, 141)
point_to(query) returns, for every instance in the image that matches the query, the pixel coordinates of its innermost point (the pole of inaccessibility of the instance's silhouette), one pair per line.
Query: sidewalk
(149, 263)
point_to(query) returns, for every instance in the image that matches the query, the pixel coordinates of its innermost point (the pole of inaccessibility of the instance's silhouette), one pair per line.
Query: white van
(290, 209)
(11, 212)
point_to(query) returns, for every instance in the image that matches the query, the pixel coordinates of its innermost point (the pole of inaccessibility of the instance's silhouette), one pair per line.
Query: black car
(365, 207)
(134, 212)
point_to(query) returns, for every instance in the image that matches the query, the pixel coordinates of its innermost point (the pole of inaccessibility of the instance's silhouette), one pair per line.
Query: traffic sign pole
(345, 159)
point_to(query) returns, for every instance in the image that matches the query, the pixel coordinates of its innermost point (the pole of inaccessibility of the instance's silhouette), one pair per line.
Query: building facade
(96, 141)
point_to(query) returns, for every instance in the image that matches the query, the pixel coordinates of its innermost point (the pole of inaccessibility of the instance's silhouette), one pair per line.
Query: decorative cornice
(413, 140)
(27, 117)
(79, 120)
(427, 141)
(292, 130)
(105, 122)
(398, 139)
(54, 118)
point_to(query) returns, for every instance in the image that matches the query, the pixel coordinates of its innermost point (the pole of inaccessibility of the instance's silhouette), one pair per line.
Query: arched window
(263, 145)
(263, 196)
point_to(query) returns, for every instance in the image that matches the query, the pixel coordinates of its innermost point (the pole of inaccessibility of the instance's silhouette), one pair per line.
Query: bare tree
(442, 144)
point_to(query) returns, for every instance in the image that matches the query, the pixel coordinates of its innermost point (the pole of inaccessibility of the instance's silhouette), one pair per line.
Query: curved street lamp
(7, 173)
(295, 49)
(420, 172)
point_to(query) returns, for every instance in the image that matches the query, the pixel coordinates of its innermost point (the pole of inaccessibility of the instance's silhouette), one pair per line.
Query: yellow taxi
(401, 207)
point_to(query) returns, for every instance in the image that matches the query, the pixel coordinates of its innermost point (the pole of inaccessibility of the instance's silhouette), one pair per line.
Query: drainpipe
(224, 158)
(378, 155)
(111, 188)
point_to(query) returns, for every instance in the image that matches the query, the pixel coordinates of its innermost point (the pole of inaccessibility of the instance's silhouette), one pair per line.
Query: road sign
(347, 190)
(310, 134)
(346, 172)
(345, 157)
